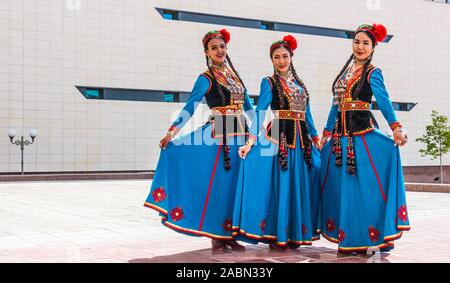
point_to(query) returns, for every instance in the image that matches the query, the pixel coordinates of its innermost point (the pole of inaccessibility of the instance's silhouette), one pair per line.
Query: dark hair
(300, 82)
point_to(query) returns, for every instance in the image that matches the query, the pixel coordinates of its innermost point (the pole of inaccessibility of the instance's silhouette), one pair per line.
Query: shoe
(293, 246)
(217, 245)
(234, 246)
(274, 246)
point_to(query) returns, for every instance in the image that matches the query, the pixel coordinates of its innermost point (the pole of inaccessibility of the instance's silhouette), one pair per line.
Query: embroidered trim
(227, 110)
(273, 238)
(290, 115)
(326, 134)
(210, 82)
(354, 105)
(173, 129)
(395, 125)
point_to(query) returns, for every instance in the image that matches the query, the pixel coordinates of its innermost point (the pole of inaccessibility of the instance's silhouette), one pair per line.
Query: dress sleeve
(382, 97)
(201, 87)
(264, 100)
(332, 115)
(310, 123)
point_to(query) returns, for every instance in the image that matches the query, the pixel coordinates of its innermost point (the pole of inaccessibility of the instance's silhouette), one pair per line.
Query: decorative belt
(227, 110)
(290, 115)
(356, 105)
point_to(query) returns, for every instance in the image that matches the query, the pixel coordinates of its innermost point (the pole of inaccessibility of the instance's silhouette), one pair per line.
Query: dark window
(398, 106)
(140, 95)
(169, 15)
(266, 26)
(256, 24)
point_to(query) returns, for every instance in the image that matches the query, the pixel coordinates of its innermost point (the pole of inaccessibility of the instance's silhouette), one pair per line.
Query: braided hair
(300, 82)
(235, 72)
(365, 68)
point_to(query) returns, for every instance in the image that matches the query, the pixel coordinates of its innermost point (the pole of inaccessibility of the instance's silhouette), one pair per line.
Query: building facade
(100, 79)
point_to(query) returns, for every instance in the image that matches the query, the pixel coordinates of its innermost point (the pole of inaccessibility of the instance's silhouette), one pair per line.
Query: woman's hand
(323, 141)
(318, 144)
(400, 137)
(244, 150)
(165, 140)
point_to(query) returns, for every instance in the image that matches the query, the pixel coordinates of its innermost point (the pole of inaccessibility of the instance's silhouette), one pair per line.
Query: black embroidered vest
(287, 128)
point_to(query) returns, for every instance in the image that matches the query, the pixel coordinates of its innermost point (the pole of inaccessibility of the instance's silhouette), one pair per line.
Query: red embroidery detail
(177, 214)
(395, 125)
(228, 225)
(227, 149)
(341, 235)
(330, 225)
(174, 129)
(374, 234)
(403, 213)
(262, 225)
(159, 194)
(304, 230)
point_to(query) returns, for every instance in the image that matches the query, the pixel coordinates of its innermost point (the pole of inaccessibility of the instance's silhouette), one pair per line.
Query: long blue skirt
(276, 205)
(367, 211)
(191, 189)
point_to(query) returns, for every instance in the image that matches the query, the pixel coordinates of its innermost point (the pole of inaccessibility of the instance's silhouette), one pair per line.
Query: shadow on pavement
(262, 254)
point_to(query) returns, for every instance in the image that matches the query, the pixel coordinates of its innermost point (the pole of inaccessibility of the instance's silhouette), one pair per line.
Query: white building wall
(49, 46)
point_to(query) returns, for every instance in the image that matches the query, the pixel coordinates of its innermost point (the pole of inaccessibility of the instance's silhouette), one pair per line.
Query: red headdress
(223, 33)
(288, 41)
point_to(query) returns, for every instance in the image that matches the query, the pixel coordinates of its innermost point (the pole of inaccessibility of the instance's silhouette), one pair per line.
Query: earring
(209, 62)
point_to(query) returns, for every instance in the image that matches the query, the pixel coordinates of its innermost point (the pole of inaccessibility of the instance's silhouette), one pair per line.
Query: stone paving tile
(105, 221)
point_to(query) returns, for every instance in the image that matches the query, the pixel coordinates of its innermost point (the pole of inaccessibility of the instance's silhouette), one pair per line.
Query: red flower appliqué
(341, 236)
(159, 194)
(262, 225)
(304, 230)
(177, 214)
(374, 234)
(330, 225)
(403, 213)
(227, 225)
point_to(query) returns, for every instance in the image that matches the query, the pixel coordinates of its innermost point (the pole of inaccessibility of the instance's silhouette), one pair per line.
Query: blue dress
(191, 190)
(365, 211)
(274, 205)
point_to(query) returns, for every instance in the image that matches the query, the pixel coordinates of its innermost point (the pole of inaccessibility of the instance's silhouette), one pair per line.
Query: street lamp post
(22, 142)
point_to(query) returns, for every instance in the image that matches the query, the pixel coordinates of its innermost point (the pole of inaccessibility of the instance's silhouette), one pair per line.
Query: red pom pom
(225, 34)
(380, 32)
(291, 41)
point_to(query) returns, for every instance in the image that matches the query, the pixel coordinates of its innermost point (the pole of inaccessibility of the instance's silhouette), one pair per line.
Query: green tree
(436, 139)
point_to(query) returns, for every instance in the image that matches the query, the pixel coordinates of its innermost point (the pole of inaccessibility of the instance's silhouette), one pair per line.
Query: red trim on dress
(326, 174)
(209, 187)
(210, 83)
(395, 125)
(374, 169)
(370, 73)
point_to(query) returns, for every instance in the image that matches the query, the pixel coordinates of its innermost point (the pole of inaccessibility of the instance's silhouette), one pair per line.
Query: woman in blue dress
(278, 187)
(363, 192)
(195, 180)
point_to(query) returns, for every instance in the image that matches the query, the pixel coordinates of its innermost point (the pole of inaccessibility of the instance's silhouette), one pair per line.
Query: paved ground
(105, 221)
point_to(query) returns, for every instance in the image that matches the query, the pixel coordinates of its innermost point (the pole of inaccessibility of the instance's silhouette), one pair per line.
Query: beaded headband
(223, 34)
(289, 42)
